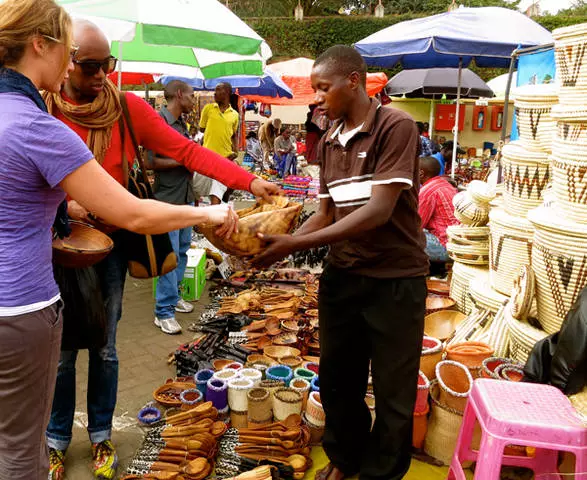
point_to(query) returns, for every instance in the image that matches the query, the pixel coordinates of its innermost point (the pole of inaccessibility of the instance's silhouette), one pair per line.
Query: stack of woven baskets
(559, 254)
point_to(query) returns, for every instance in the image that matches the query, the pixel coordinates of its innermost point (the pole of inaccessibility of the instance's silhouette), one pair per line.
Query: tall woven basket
(533, 105)
(510, 248)
(559, 261)
(570, 46)
(523, 337)
(525, 175)
(484, 296)
(459, 284)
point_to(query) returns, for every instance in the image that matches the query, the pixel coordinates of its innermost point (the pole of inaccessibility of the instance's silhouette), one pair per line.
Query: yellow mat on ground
(418, 470)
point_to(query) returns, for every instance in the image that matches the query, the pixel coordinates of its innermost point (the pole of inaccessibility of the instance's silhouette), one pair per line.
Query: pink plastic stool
(512, 413)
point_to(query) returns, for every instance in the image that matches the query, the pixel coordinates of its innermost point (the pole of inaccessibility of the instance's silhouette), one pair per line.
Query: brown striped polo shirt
(383, 151)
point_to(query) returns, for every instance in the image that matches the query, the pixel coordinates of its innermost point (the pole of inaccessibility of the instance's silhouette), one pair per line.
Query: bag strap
(131, 131)
(122, 145)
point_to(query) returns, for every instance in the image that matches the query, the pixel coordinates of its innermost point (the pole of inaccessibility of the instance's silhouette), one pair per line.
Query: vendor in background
(285, 154)
(425, 143)
(173, 185)
(254, 152)
(372, 295)
(196, 135)
(435, 208)
(444, 157)
(300, 144)
(268, 132)
(90, 105)
(219, 123)
(316, 125)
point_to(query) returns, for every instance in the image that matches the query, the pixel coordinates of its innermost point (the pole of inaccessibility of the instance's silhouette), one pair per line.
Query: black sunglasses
(91, 67)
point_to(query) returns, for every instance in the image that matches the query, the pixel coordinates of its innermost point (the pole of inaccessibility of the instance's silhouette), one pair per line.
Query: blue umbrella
(268, 85)
(453, 39)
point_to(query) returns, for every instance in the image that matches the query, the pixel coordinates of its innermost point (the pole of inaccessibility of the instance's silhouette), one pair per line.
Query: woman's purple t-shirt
(37, 152)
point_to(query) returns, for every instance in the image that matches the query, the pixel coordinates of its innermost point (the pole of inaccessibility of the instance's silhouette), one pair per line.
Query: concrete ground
(143, 351)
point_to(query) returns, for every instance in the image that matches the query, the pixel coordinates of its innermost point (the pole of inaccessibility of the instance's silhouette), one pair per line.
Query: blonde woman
(42, 160)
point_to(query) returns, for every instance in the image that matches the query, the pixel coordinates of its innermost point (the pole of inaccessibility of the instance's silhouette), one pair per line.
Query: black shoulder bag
(148, 255)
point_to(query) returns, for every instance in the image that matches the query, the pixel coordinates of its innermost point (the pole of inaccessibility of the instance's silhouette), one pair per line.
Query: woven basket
(469, 254)
(511, 248)
(260, 409)
(468, 212)
(455, 382)
(252, 374)
(481, 192)
(444, 426)
(498, 334)
(286, 402)
(303, 386)
(490, 365)
(484, 296)
(525, 175)
(570, 45)
(559, 261)
(422, 395)
(533, 105)
(571, 139)
(466, 235)
(431, 354)
(315, 412)
(459, 284)
(237, 393)
(420, 427)
(569, 183)
(473, 328)
(523, 337)
(470, 354)
(239, 419)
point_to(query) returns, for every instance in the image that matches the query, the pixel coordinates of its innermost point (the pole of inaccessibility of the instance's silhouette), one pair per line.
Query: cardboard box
(194, 279)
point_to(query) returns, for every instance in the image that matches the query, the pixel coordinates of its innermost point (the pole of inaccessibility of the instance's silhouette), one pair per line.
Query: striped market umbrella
(187, 38)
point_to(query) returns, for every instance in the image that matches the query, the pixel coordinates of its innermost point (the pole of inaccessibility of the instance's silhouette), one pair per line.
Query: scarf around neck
(12, 81)
(98, 116)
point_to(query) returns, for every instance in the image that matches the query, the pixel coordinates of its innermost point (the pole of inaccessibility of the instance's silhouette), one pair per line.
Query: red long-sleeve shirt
(435, 207)
(154, 134)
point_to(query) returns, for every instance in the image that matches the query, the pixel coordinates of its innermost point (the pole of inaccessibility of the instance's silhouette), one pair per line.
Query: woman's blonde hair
(20, 20)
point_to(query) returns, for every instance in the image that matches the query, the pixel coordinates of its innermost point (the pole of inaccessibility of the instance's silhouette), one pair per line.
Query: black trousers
(362, 320)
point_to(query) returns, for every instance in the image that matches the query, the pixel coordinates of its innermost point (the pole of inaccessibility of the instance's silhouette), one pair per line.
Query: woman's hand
(264, 189)
(77, 212)
(224, 215)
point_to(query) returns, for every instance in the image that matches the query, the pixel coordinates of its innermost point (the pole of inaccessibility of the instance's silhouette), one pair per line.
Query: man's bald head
(87, 33)
(429, 168)
(92, 62)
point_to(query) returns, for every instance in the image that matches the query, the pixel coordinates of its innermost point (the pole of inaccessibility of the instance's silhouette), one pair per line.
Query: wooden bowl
(291, 362)
(286, 338)
(85, 246)
(435, 303)
(270, 219)
(220, 363)
(443, 323)
(277, 352)
(438, 287)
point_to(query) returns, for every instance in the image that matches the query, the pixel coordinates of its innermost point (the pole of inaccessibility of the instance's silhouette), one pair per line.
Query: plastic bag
(84, 316)
(265, 110)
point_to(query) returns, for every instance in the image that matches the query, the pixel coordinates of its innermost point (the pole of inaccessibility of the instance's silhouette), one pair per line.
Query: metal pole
(431, 121)
(120, 65)
(456, 127)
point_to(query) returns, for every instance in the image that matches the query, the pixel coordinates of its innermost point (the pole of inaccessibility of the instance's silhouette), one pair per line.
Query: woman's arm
(94, 189)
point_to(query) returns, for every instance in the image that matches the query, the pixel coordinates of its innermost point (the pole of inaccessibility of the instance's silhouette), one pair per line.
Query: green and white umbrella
(187, 38)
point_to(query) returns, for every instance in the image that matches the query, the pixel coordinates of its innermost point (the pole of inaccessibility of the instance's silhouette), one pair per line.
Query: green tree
(578, 9)
(439, 6)
(285, 8)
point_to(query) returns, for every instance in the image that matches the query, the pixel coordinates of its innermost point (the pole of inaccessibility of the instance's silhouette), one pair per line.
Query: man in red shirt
(436, 209)
(90, 105)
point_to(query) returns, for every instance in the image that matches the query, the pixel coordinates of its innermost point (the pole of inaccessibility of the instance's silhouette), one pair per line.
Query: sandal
(329, 472)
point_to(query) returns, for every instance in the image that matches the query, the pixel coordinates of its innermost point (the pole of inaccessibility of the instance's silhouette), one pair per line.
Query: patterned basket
(286, 402)
(559, 261)
(469, 254)
(523, 337)
(525, 174)
(511, 248)
(459, 284)
(481, 192)
(466, 235)
(570, 46)
(484, 296)
(569, 182)
(533, 105)
(468, 212)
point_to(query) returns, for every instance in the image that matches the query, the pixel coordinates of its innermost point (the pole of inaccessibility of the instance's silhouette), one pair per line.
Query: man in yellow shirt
(219, 123)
